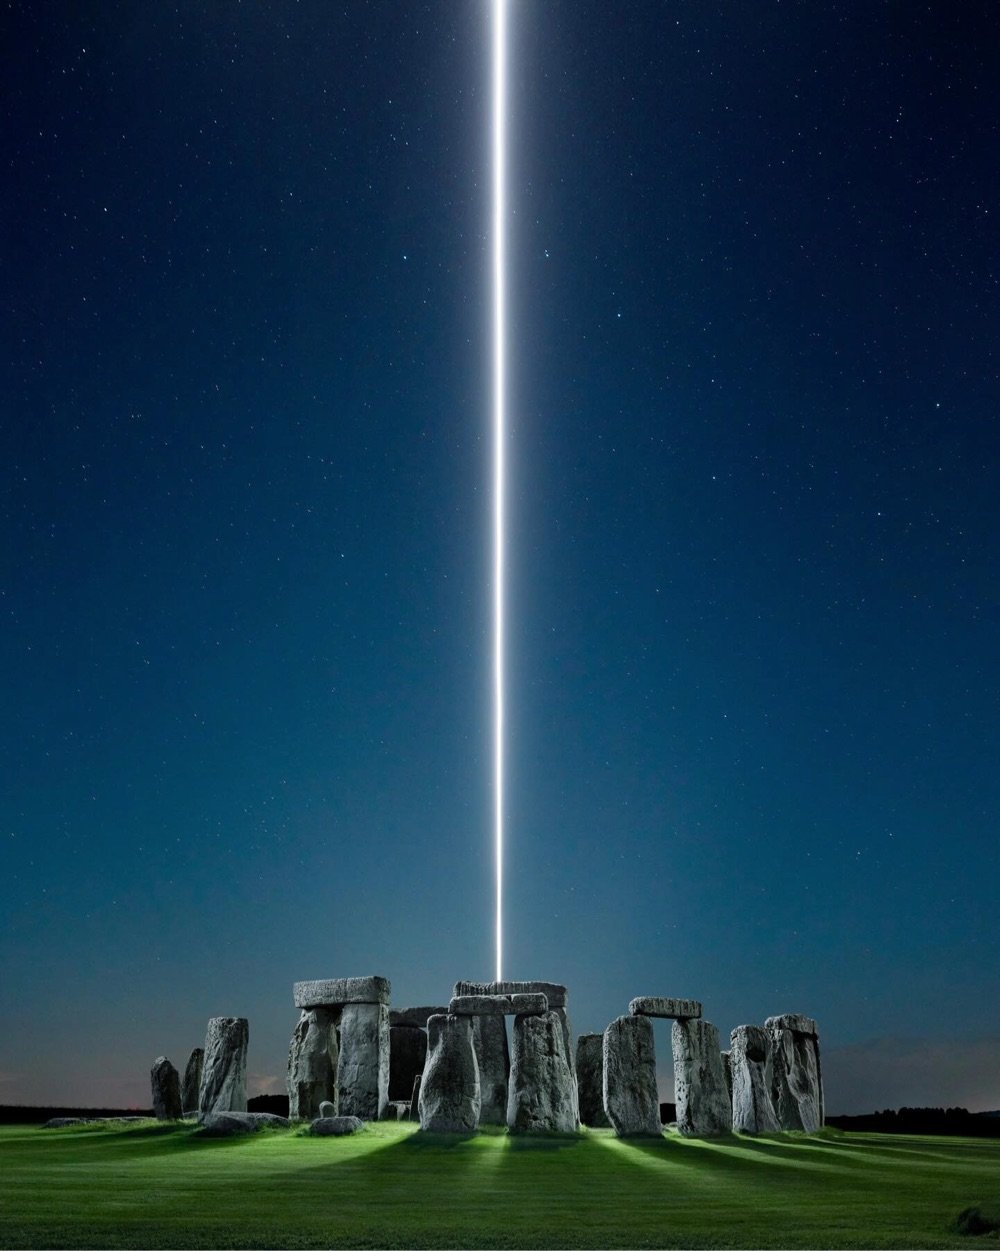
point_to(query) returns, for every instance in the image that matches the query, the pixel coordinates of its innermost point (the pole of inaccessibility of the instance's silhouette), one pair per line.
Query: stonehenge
(407, 1056)
(753, 1109)
(489, 1039)
(224, 1070)
(313, 1056)
(629, 1078)
(542, 1097)
(192, 1082)
(590, 1080)
(166, 1090)
(795, 1077)
(704, 1109)
(449, 1100)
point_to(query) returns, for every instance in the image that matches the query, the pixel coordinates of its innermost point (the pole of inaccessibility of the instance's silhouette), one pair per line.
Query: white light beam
(499, 439)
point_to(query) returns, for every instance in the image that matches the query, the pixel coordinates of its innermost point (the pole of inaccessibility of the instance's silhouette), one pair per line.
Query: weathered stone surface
(415, 1097)
(414, 1016)
(327, 1109)
(336, 1126)
(489, 1038)
(671, 1009)
(331, 992)
(166, 1090)
(363, 1065)
(794, 1021)
(630, 1096)
(450, 1100)
(567, 1030)
(554, 993)
(703, 1106)
(407, 1054)
(542, 1096)
(228, 1124)
(795, 1082)
(499, 1005)
(727, 1069)
(313, 1055)
(753, 1111)
(192, 1081)
(396, 1110)
(224, 1072)
(590, 1080)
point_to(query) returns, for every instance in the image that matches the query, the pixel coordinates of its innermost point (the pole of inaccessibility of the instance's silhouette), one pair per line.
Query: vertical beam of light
(499, 439)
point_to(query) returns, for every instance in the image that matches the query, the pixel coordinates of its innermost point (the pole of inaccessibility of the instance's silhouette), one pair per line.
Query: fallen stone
(313, 1056)
(414, 1016)
(630, 1097)
(703, 1106)
(63, 1122)
(229, 1124)
(542, 1096)
(590, 1080)
(331, 992)
(794, 1021)
(450, 1100)
(796, 1084)
(327, 1109)
(363, 1064)
(753, 1111)
(192, 1082)
(489, 1039)
(224, 1073)
(671, 1009)
(499, 1005)
(166, 1090)
(407, 1054)
(554, 993)
(336, 1126)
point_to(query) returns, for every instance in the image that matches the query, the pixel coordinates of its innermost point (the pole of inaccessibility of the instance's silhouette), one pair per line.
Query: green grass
(166, 1186)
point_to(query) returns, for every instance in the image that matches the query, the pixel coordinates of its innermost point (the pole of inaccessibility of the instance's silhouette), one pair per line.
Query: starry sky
(246, 493)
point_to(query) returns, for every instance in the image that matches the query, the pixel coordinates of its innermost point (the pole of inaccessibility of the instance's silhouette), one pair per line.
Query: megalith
(407, 1054)
(224, 1072)
(489, 1039)
(363, 1065)
(542, 1094)
(727, 1069)
(166, 1090)
(796, 1080)
(590, 1080)
(753, 1110)
(702, 1097)
(449, 1098)
(630, 1096)
(312, 1063)
(192, 1082)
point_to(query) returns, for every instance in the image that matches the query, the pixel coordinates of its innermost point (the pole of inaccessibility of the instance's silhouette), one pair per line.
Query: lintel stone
(554, 992)
(534, 1004)
(794, 1021)
(671, 1009)
(332, 991)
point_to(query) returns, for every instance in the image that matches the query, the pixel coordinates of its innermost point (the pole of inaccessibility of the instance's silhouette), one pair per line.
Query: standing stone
(192, 1082)
(703, 1106)
(727, 1069)
(407, 1054)
(489, 1038)
(567, 1031)
(312, 1064)
(415, 1099)
(449, 1098)
(542, 1096)
(753, 1111)
(363, 1066)
(590, 1080)
(327, 1109)
(796, 1085)
(224, 1074)
(166, 1090)
(630, 1096)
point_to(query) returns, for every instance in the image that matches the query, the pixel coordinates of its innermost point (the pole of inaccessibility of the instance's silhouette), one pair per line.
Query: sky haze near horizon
(753, 671)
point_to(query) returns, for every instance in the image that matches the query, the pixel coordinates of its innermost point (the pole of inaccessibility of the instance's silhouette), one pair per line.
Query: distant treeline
(23, 1114)
(956, 1121)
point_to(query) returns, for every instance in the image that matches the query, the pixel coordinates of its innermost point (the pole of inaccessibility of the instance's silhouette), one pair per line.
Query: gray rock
(363, 1066)
(489, 1038)
(414, 1016)
(700, 1092)
(63, 1122)
(166, 1090)
(671, 1009)
(753, 1111)
(796, 1085)
(229, 1124)
(727, 1069)
(449, 1100)
(327, 1109)
(407, 1055)
(590, 1080)
(563, 1016)
(630, 1097)
(542, 1097)
(554, 993)
(331, 992)
(396, 1110)
(415, 1097)
(794, 1021)
(313, 1055)
(224, 1073)
(192, 1081)
(499, 1005)
(336, 1126)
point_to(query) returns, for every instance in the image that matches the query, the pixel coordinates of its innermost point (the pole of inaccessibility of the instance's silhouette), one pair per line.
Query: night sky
(246, 491)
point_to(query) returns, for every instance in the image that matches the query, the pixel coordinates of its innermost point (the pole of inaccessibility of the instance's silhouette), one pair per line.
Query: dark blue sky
(753, 672)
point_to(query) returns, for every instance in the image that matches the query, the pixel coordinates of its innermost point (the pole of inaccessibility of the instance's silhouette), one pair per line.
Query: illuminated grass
(147, 1185)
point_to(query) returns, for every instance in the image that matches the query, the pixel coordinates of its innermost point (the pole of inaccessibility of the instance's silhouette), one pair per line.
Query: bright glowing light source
(499, 439)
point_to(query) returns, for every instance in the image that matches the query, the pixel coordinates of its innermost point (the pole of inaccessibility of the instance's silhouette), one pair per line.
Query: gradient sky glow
(753, 511)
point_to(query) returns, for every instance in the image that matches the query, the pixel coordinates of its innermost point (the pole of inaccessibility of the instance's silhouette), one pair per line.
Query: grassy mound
(980, 1219)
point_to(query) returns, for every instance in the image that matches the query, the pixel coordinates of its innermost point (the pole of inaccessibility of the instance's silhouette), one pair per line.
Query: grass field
(165, 1186)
